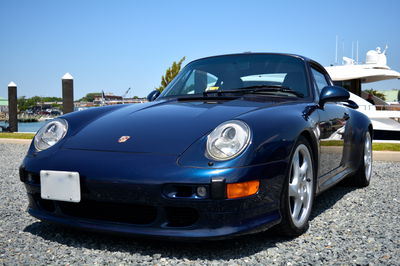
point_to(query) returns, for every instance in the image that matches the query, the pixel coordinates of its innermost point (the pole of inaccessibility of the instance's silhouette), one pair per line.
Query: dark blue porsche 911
(234, 145)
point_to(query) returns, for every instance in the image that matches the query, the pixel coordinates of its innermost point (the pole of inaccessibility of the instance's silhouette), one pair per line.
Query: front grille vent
(113, 212)
(181, 216)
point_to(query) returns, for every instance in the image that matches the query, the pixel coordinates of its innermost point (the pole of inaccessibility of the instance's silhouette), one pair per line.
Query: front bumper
(125, 193)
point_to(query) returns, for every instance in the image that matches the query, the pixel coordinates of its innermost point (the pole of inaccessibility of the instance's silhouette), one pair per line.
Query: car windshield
(276, 74)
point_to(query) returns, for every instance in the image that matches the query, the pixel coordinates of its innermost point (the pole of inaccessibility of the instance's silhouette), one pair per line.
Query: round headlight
(50, 134)
(228, 140)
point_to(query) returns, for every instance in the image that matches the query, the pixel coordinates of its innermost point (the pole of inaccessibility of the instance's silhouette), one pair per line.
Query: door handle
(346, 116)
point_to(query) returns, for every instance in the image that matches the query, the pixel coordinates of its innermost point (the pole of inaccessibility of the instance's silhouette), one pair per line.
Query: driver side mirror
(333, 94)
(153, 95)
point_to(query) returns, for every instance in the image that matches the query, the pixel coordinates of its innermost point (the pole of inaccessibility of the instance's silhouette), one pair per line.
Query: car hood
(166, 127)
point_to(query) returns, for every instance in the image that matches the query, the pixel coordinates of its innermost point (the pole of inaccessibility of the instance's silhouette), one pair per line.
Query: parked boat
(351, 75)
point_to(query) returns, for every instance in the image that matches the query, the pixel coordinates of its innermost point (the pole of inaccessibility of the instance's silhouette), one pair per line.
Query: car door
(332, 128)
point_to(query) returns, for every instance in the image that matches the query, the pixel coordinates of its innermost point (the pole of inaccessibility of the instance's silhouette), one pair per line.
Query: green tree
(51, 99)
(22, 103)
(54, 101)
(170, 74)
(27, 103)
(89, 97)
(376, 93)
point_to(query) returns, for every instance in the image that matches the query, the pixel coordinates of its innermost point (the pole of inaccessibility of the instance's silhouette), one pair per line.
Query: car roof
(258, 53)
(306, 59)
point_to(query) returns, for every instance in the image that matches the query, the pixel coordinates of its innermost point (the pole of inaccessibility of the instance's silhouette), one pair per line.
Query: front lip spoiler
(254, 226)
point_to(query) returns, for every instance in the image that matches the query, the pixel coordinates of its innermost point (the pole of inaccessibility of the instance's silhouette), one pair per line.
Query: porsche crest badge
(123, 139)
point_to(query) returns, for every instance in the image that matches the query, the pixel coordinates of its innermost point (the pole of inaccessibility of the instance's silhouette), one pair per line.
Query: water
(27, 127)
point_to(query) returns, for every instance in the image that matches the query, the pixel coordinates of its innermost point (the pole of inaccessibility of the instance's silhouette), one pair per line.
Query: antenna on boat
(384, 51)
(336, 50)
(342, 50)
(357, 54)
(352, 50)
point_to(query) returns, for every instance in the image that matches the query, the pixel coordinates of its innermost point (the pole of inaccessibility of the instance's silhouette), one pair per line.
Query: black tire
(362, 177)
(290, 225)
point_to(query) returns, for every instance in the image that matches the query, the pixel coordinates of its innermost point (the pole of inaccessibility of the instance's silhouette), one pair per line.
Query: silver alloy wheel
(301, 186)
(368, 156)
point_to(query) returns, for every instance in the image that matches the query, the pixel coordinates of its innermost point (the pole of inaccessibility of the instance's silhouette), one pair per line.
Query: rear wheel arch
(357, 153)
(359, 124)
(371, 131)
(362, 176)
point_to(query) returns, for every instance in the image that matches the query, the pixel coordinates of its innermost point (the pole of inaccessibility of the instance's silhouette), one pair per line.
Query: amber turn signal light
(244, 189)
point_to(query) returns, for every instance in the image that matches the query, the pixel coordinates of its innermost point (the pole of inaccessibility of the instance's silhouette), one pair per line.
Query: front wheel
(298, 191)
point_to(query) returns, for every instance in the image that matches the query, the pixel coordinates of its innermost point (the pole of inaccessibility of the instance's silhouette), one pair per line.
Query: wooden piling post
(68, 93)
(12, 107)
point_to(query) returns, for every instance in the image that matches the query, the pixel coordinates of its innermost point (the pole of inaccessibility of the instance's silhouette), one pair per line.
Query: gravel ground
(348, 226)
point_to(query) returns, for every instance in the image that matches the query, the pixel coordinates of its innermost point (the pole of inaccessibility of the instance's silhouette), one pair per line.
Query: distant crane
(123, 96)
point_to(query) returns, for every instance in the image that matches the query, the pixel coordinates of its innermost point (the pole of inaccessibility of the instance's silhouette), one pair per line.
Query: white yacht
(385, 119)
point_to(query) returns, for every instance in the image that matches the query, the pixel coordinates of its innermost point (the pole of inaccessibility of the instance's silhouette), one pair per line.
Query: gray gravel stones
(348, 226)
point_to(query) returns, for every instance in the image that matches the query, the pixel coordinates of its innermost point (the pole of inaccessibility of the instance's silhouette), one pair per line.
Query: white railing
(388, 107)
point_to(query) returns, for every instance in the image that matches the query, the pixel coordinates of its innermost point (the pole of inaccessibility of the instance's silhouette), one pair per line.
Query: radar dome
(376, 57)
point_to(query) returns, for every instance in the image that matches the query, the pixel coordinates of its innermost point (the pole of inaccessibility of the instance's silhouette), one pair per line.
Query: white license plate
(60, 185)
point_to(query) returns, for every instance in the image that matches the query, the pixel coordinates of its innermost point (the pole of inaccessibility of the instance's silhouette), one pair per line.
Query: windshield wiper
(255, 89)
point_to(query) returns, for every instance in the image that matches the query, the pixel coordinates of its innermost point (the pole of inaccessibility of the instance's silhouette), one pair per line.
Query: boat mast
(336, 50)
(357, 54)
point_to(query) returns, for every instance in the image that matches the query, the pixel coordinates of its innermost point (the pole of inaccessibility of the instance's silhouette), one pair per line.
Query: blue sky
(113, 45)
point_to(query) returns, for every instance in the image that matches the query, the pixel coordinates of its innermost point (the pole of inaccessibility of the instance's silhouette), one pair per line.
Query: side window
(319, 79)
